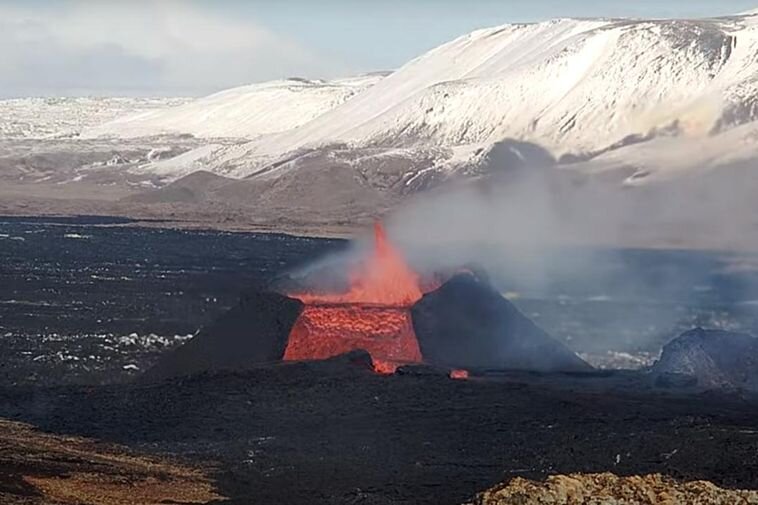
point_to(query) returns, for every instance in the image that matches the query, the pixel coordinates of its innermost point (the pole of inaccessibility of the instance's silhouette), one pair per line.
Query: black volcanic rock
(466, 323)
(709, 359)
(254, 331)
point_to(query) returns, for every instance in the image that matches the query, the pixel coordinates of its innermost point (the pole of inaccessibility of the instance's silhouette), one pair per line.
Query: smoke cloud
(616, 260)
(635, 263)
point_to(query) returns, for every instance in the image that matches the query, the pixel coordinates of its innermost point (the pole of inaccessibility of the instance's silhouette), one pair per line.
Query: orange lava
(372, 315)
(384, 278)
(385, 367)
(323, 331)
(459, 374)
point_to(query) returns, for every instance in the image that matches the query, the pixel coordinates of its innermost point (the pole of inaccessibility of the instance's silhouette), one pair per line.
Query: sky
(195, 47)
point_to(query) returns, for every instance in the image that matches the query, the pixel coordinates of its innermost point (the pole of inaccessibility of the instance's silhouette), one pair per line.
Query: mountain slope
(572, 86)
(244, 112)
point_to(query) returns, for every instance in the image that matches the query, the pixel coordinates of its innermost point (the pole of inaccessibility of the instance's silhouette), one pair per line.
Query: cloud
(143, 48)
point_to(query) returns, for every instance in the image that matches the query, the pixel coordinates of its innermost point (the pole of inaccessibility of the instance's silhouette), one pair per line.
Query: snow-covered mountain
(243, 112)
(575, 87)
(579, 88)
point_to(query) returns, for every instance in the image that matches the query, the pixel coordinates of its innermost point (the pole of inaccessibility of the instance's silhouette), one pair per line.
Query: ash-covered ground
(97, 300)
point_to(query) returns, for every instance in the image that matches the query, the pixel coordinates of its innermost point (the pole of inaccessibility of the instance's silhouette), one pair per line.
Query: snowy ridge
(243, 112)
(572, 86)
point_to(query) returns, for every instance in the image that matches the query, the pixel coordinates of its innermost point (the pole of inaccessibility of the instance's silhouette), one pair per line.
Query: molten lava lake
(323, 331)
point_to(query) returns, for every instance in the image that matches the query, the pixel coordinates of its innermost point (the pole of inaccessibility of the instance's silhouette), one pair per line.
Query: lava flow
(373, 315)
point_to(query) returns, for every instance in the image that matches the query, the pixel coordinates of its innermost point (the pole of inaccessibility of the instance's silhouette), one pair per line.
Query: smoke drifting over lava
(541, 229)
(383, 278)
(387, 310)
(465, 321)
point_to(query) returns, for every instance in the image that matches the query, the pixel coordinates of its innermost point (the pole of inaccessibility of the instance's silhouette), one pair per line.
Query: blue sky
(190, 47)
(387, 33)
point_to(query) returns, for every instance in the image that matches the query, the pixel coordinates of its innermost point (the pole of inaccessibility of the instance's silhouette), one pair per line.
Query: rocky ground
(43, 469)
(610, 489)
(337, 433)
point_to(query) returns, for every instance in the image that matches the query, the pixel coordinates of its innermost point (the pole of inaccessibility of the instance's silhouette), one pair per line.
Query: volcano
(386, 310)
(374, 314)
(466, 323)
(255, 331)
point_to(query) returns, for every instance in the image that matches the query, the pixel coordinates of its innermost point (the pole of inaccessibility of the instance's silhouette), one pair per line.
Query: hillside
(243, 112)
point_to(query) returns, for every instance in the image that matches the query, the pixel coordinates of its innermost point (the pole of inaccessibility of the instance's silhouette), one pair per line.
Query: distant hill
(243, 112)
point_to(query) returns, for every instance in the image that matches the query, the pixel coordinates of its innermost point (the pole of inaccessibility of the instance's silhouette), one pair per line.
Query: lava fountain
(373, 315)
(384, 278)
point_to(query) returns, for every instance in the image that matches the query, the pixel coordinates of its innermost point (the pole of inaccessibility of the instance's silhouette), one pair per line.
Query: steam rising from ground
(532, 207)
(543, 229)
(548, 228)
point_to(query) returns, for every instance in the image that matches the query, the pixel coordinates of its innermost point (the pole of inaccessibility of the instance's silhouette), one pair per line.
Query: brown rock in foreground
(609, 489)
(41, 469)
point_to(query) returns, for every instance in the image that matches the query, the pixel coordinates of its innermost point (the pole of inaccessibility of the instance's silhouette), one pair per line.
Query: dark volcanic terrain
(337, 433)
(86, 305)
(96, 300)
(82, 298)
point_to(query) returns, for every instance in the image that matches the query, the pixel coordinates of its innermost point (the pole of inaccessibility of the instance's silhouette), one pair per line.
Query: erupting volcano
(374, 314)
(462, 324)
